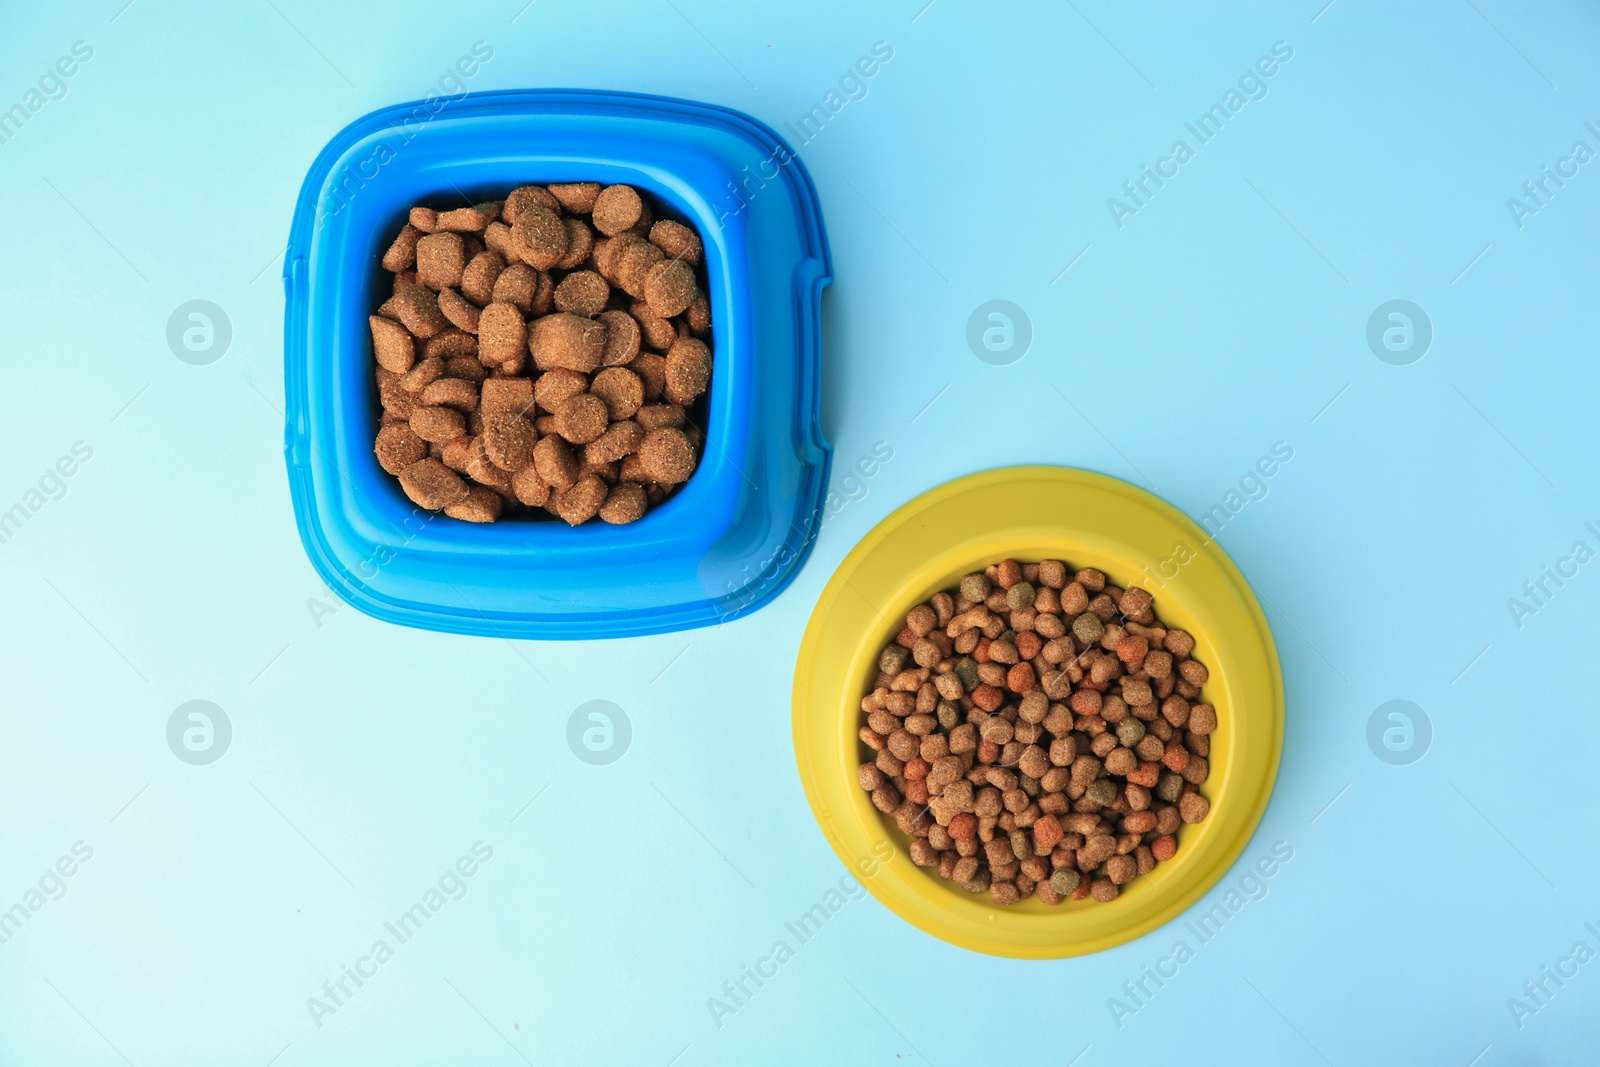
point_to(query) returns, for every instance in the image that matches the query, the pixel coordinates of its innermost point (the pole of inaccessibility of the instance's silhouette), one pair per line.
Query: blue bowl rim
(650, 620)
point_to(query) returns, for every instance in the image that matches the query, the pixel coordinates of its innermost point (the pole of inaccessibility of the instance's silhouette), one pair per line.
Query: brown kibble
(565, 340)
(438, 424)
(502, 395)
(617, 208)
(529, 488)
(473, 303)
(583, 292)
(501, 334)
(481, 469)
(1004, 893)
(509, 440)
(1135, 603)
(497, 239)
(1193, 808)
(418, 311)
(667, 456)
(669, 286)
(619, 439)
(886, 798)
(625, 503)
(392, 344)
(677, 241)
(1090, 765)
(657, 331)
(688, 371)
(479, 277)
(576, 197)
(449, 343)
(622, 338)
(630, 260)
(432, 485)
(403, 252)
(452, 393)
(462, 220)
(398, 447)
(659, 416)
(516, 285)
(581, 501)
(582, 418)
(423, 374)
(544, 290)
(524, 197)
(396, 401)
(457, 454)
(621, 390)
(539, 237)
(580, 243)
(462, 313)
(554, 388)
(480, 505)
(652, 372)
(698, 314)
(466, 368)
(553, 458)
(630, 470)
(441, 257)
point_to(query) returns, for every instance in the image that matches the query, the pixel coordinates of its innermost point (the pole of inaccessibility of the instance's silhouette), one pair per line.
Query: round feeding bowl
(1029, 514)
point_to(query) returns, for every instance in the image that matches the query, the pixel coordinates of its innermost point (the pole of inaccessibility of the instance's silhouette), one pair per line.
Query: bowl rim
(975, 516)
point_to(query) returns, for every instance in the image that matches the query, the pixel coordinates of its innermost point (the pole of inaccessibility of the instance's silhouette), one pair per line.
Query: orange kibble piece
(1020, 678)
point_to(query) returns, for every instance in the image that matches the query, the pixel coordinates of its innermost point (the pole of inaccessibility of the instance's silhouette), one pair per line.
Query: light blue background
(1223, 317)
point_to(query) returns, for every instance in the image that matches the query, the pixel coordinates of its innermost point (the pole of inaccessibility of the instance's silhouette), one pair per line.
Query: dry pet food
(1038, 732)
(546, 352)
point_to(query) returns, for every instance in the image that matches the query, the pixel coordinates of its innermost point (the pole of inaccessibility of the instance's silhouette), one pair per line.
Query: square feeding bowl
(728, 540)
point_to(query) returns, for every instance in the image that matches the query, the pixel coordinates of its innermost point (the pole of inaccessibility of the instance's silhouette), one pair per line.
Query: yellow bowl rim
(829, 683)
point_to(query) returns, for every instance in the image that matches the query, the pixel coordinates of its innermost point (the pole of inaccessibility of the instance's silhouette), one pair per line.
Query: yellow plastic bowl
(1085, 520)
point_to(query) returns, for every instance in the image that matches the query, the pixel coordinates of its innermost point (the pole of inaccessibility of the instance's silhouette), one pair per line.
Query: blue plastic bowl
(731, 538)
